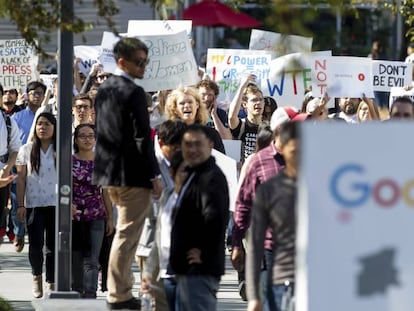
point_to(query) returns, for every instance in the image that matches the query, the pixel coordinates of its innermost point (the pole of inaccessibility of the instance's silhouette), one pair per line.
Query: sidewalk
(16, 284)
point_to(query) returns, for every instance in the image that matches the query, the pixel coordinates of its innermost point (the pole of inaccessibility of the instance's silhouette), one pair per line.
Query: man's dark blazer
(124, 153)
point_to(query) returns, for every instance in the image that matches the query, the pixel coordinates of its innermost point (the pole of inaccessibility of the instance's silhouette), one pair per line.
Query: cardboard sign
(172, 61)
(151, 27)
(399, 91)
(355, 224)
(289, 77)
(387, 74)
(89, 55)
(18, 63)
(228, 66)
(342, 76)
(279, 44)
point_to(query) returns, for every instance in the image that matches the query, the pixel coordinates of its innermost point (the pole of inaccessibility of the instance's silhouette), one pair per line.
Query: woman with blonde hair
(367, 111)
(184, 103)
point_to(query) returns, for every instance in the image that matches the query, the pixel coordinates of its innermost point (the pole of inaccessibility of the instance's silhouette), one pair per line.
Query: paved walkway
(16, 282)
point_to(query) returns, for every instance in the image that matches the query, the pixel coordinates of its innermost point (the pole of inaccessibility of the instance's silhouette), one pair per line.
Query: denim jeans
(266, 282)
(85, 263)
(18, 226)
(43, 221)
(278, 291)
(170, 286)
(197, 292)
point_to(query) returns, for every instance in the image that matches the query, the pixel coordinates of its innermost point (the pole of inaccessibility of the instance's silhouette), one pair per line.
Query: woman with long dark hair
(36, 196)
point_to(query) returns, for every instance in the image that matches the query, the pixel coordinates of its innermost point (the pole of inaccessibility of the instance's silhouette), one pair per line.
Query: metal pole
(63, 249)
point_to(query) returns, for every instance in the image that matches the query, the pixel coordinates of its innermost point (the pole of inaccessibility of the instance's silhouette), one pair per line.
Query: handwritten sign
(89, 55)
(172, 61)
(227, 66)
(289, 77)
(387, 74)
(18, 62)
(279, 44)
(342, 76)
(151, 27)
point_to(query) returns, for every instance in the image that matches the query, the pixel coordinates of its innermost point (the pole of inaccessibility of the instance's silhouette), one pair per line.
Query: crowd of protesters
(146, 186)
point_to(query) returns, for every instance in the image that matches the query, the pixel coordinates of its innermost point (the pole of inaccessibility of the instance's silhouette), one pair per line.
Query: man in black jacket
(125, 163)
(199, 224)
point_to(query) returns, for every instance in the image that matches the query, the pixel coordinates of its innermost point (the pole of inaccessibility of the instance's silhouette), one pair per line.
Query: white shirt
(14, 138)
(40, 188)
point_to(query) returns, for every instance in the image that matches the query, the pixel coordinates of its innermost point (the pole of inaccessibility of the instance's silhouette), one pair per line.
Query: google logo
(363, 190)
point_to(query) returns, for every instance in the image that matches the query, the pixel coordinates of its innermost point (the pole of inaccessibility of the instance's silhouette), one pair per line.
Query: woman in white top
(36, 196)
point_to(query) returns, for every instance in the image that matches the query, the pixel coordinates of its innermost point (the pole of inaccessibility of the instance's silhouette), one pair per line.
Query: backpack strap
(242, 128)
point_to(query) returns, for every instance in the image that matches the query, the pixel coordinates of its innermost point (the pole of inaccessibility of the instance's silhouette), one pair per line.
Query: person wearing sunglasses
(96, 77)
(125, 163)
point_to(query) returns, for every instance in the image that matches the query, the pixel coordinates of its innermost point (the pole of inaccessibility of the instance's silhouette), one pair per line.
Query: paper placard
(89, 55)
(18, 64)
(386, 74)
(151, 27)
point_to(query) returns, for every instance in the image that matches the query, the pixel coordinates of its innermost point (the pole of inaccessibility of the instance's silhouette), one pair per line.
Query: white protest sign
(227, 66)
(400, 91)
(89, 55)
(229, 168)
(279, 44)
(342, 76)
(172, 61)
(289, 77)
(18, 62)
(151, 27)
(355, 224)
(387, 74)
(233, 148)
(48, 79)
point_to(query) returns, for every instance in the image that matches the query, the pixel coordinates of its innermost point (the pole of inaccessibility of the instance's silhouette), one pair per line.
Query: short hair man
(274, 206)
(125, 163)
(402, 108)
(81, 109)
(9, 102)
(198, 231)
(209, 92)
(35, 95)
(251, 97)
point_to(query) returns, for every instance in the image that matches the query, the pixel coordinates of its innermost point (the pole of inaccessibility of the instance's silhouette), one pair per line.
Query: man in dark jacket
(125, 163)
(199, 224)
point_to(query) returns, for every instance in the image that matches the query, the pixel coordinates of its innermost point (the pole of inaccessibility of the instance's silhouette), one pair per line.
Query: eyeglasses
(140, 62)
(81, 136)
(102, 77)
(85, 107)
(36, 93)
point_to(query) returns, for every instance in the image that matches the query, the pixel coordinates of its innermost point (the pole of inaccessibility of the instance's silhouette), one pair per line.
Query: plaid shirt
(264, 165)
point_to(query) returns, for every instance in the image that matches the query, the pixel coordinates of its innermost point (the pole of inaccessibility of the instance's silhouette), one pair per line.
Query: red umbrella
(216, 14)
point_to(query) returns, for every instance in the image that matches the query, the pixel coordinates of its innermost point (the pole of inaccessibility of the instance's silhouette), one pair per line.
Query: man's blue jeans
(197, 292)
(170, 286)
(278, 291)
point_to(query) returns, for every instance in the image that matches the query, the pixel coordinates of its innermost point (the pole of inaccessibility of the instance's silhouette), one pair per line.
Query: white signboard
(151, 27)
(89, 55)
(355, 225)
(289, 77)
(18, 62)
(386, 74)
(342, 76)
(279, 44)
(228, 66)
(172, 61)
(229, 168)
(400, 91)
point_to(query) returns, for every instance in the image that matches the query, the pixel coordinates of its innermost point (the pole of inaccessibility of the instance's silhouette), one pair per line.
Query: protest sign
(354, 227)
(89, 55)
(386, 74)
(151, 27)
(342, 76)
(279, 44)
(18, 63)
(229, 168)
(289, 77)
(48, 79)
(172, 61)
(228, 66)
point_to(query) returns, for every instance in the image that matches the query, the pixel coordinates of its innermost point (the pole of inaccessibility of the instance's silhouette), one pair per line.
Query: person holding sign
(250, 97)
(402, 108)
(367, 111)
(125, 163)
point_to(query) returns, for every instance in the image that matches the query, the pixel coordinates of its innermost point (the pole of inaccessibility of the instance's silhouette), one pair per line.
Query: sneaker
(132, 304)
(242, 290)
(18, 244)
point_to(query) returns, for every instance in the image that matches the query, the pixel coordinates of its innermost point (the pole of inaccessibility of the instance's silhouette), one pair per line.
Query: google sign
(359, 190)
